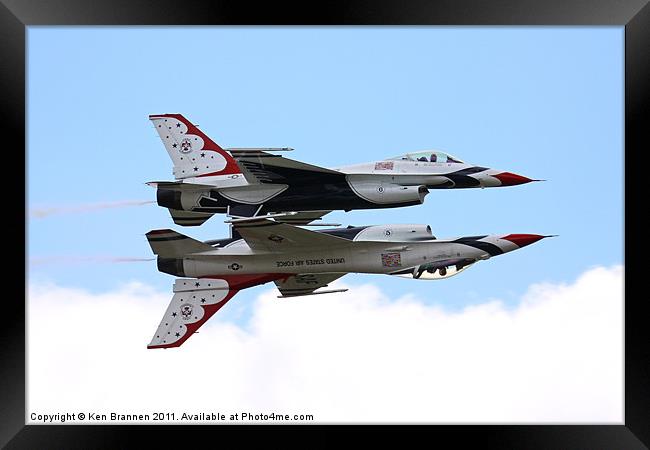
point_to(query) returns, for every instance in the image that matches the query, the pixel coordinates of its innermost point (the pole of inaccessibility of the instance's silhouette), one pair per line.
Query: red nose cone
(511, 179)
(523, 240)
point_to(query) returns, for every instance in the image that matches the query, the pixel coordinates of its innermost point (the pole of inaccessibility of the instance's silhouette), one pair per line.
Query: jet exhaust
(40, 213)
(69, 259)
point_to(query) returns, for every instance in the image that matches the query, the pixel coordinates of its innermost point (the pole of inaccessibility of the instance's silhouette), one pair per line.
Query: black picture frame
(634, 15)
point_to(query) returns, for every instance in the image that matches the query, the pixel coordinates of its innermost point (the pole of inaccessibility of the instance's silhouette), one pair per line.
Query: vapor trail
(38, 261)
(39, 213)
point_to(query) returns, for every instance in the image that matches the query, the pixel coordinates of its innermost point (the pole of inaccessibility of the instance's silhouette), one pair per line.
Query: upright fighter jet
(301, 261)
(246, 182)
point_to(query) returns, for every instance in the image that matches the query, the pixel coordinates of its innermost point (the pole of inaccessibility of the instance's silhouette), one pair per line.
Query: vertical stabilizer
(194, 154)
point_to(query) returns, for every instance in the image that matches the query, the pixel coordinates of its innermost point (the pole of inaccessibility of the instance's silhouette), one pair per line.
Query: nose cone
(511, 179)
(522, 240)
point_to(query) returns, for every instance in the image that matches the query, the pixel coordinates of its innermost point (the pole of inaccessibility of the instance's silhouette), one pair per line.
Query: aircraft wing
(177, 185)
(306, 284)
(267, 168)
(268, 235)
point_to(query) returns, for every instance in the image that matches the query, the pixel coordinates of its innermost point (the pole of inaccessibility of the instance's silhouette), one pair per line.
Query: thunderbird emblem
(186, 311)
(186, 146)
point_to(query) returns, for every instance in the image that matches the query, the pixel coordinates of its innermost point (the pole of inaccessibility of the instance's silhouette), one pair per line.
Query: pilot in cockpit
(433, 157)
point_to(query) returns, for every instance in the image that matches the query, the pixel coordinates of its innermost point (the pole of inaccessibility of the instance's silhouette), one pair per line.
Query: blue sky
(544, 102)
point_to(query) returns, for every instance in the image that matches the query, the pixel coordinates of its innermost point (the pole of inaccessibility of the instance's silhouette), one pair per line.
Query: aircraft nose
(522, 240)
(511, 179)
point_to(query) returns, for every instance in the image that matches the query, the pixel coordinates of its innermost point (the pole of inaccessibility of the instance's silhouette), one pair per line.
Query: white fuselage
(359, 257)
(417, 173)
(404, 173)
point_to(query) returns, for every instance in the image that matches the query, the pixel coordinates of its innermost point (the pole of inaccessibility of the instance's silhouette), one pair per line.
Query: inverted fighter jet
(301, 262)
(246, 182)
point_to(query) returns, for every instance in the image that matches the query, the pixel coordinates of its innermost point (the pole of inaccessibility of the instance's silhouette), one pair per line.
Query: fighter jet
(246, 182)
(301, 262)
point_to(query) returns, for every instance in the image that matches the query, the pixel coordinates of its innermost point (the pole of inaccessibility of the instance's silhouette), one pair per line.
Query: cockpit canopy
(427, 156)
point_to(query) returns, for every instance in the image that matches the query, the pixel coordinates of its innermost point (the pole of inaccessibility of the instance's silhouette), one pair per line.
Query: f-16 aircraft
(246, 182)
(301, 262)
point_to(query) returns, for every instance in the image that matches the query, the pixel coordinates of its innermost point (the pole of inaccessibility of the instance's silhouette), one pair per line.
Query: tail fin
(194, 154)
(168, 243)
(194, 302)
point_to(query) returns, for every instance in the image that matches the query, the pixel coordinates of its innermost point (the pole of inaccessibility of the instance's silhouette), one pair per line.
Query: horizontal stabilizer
(188, 218)
(169, 244)
(177, 185)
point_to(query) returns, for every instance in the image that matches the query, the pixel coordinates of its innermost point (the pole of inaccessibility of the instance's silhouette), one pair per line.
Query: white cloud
(355, 356)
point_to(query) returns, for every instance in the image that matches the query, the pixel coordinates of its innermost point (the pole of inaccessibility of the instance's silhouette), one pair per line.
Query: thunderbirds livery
(301, 262)
(248, 182)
